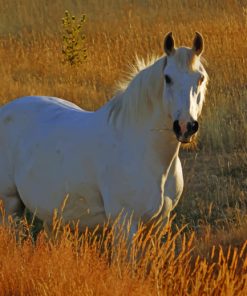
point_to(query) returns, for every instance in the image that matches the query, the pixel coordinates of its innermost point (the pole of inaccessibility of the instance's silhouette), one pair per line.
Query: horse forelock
(185, 58)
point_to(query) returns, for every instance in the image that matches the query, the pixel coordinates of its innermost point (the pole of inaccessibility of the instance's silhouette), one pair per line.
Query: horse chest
(132, 188)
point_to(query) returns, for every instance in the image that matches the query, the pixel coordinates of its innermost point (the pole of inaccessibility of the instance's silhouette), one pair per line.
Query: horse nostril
(192, 127)
(195, 126)
(176, 127)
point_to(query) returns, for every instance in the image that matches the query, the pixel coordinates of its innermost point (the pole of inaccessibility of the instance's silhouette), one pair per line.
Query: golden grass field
(205, 249)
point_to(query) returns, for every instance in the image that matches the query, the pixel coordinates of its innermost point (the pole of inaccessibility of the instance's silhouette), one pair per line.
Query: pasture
(205, 248)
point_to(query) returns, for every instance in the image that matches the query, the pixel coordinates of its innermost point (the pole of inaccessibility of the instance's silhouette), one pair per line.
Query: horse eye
(168, 79)
(200, 81)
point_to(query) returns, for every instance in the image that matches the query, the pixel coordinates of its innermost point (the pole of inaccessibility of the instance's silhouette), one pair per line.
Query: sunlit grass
(99, 262)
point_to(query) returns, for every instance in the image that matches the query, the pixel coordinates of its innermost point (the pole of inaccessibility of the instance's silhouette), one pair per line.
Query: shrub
(74, 49)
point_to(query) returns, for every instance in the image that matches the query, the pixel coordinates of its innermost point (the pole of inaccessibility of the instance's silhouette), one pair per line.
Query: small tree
(74, 49)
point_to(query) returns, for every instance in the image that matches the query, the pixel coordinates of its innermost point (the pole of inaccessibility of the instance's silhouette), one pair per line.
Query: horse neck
(138, 115)
(153, 136)
(133, 105)
(161, 143)
(154, 129)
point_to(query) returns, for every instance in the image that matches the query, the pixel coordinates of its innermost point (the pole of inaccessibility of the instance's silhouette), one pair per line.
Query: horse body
(48, 156)
(54, 151)
(104, 161)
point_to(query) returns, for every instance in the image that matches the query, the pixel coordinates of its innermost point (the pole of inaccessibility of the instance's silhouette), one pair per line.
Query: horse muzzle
(185, 130)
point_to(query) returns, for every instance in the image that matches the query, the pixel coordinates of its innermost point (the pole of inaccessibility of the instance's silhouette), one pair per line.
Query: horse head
(185, 82)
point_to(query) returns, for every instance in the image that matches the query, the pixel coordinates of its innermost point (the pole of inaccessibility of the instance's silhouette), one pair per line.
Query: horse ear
(198, 44)
(169, 45)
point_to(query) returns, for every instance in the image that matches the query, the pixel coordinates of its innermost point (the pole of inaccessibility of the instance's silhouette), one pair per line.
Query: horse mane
(185, 58)
(139, 65)
(135, 94)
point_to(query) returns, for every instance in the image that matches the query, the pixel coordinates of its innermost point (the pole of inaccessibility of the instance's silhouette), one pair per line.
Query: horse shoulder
(125, 183)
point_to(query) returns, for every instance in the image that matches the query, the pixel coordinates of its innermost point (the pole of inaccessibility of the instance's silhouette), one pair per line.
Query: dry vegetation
(213, 210)
(87, 265)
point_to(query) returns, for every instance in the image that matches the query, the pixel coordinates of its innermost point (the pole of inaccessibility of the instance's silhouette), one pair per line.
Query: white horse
(108, 161)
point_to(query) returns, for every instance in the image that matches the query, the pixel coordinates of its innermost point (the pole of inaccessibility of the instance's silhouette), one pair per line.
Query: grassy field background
(213, 207)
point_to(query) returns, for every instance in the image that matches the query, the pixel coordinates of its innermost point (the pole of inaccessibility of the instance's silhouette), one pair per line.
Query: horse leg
(11, 206)
(124, 227)
(11, 211)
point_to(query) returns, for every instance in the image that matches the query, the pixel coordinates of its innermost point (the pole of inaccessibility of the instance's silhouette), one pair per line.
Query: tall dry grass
(90, 265)
(214, 204)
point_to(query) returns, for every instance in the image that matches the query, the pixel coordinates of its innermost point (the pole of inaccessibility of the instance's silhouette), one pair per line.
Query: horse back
(29, 112)
(25, 118)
